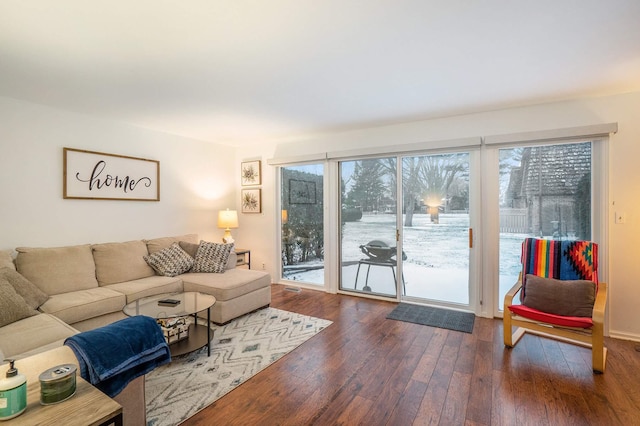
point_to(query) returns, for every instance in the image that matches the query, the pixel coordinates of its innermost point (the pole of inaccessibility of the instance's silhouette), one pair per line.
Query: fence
(513, 221)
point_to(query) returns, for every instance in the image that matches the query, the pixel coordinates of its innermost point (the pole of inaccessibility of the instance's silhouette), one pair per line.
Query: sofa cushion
(192, 249)
(25, 288)
(6, 261)
(559, 320)
(120, 262)
(233, 283)
(12, 306)
(571, 298)
(34, 333)
(149, 286)
(58, 269)
(158, 244)
(212, 257)
(170, 261)
(84, 304)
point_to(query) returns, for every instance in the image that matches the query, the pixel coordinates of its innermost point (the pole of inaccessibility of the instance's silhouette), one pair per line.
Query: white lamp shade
(227, 219)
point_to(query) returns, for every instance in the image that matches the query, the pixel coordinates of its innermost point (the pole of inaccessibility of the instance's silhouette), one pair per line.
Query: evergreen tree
(368, 185)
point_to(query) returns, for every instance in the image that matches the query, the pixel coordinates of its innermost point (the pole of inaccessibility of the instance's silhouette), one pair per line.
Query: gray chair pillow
(570, 298)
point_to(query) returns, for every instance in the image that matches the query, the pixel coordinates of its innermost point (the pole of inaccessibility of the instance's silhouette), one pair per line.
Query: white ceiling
(241, 71)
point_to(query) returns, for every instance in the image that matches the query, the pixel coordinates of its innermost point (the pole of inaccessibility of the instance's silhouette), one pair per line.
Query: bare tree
(436, 174)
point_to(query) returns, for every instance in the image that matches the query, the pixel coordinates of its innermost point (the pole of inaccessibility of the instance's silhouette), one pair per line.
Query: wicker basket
(174, 329)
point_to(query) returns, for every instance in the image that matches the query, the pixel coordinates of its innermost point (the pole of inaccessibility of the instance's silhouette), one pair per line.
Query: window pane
(545, 192)
(436, 227)
(368, 226)
(302, 223)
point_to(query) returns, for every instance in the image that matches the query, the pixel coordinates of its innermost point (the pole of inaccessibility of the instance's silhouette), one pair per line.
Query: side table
(88, 406)
(244, 257)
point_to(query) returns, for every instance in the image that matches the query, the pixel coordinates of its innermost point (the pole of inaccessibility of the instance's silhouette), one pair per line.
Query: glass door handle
(470, 238)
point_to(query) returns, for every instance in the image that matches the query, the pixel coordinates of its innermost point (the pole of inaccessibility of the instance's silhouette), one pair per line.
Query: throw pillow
(570, 298)
(25, 288)
(212, 257)
(6, 260)
(170, 261)
(12, 306)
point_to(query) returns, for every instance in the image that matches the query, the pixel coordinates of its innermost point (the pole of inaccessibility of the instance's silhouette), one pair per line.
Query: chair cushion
(562, 321)
(571, 298)
(170, 261)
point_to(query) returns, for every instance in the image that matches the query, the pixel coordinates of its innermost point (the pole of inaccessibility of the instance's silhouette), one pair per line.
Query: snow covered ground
(437, 264)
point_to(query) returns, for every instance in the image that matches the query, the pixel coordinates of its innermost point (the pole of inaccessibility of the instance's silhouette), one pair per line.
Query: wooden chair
(563, 260)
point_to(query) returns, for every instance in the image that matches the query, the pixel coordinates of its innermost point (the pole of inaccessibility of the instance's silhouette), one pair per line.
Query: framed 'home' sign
(100, 176)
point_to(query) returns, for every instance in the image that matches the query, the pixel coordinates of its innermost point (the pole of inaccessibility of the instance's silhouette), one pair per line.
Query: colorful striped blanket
(561, 260)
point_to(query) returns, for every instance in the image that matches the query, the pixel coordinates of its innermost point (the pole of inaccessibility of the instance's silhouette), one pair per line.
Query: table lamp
(227, 219)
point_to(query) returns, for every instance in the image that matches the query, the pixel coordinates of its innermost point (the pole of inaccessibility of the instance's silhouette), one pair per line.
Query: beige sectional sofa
(88, 285)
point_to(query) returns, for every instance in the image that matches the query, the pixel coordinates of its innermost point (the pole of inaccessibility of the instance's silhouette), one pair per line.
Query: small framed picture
(251, 201)
(250, 173)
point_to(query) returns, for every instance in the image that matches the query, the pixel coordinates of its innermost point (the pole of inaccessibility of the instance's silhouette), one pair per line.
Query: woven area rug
(240, 349)
(434, 317)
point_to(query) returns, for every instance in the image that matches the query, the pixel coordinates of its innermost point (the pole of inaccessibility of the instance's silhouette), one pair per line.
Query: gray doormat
(434, 317)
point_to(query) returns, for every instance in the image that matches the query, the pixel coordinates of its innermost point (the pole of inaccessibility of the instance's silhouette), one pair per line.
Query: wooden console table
(88, 406)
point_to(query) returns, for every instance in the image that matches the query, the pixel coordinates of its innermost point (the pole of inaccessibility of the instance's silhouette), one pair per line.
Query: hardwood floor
(367, 370)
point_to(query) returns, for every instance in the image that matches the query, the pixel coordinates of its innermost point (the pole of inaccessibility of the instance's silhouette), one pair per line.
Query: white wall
(624, 188)
(198, 178)
(194, 181)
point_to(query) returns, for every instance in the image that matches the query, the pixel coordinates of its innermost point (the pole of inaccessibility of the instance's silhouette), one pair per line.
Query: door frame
(475, 221)
(491, 223)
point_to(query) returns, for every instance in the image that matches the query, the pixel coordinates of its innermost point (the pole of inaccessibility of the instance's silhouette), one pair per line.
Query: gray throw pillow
(190, 248)
(12, 306)
(212, 257)
(25, 288)
(170, 261)
(570, 298)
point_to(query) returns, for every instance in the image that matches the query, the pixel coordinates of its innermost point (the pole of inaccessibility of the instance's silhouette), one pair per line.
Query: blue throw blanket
(112, 356)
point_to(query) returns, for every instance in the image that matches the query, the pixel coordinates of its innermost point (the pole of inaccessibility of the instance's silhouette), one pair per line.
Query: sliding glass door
(436, 228)
(413, 247)
(401, 227)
